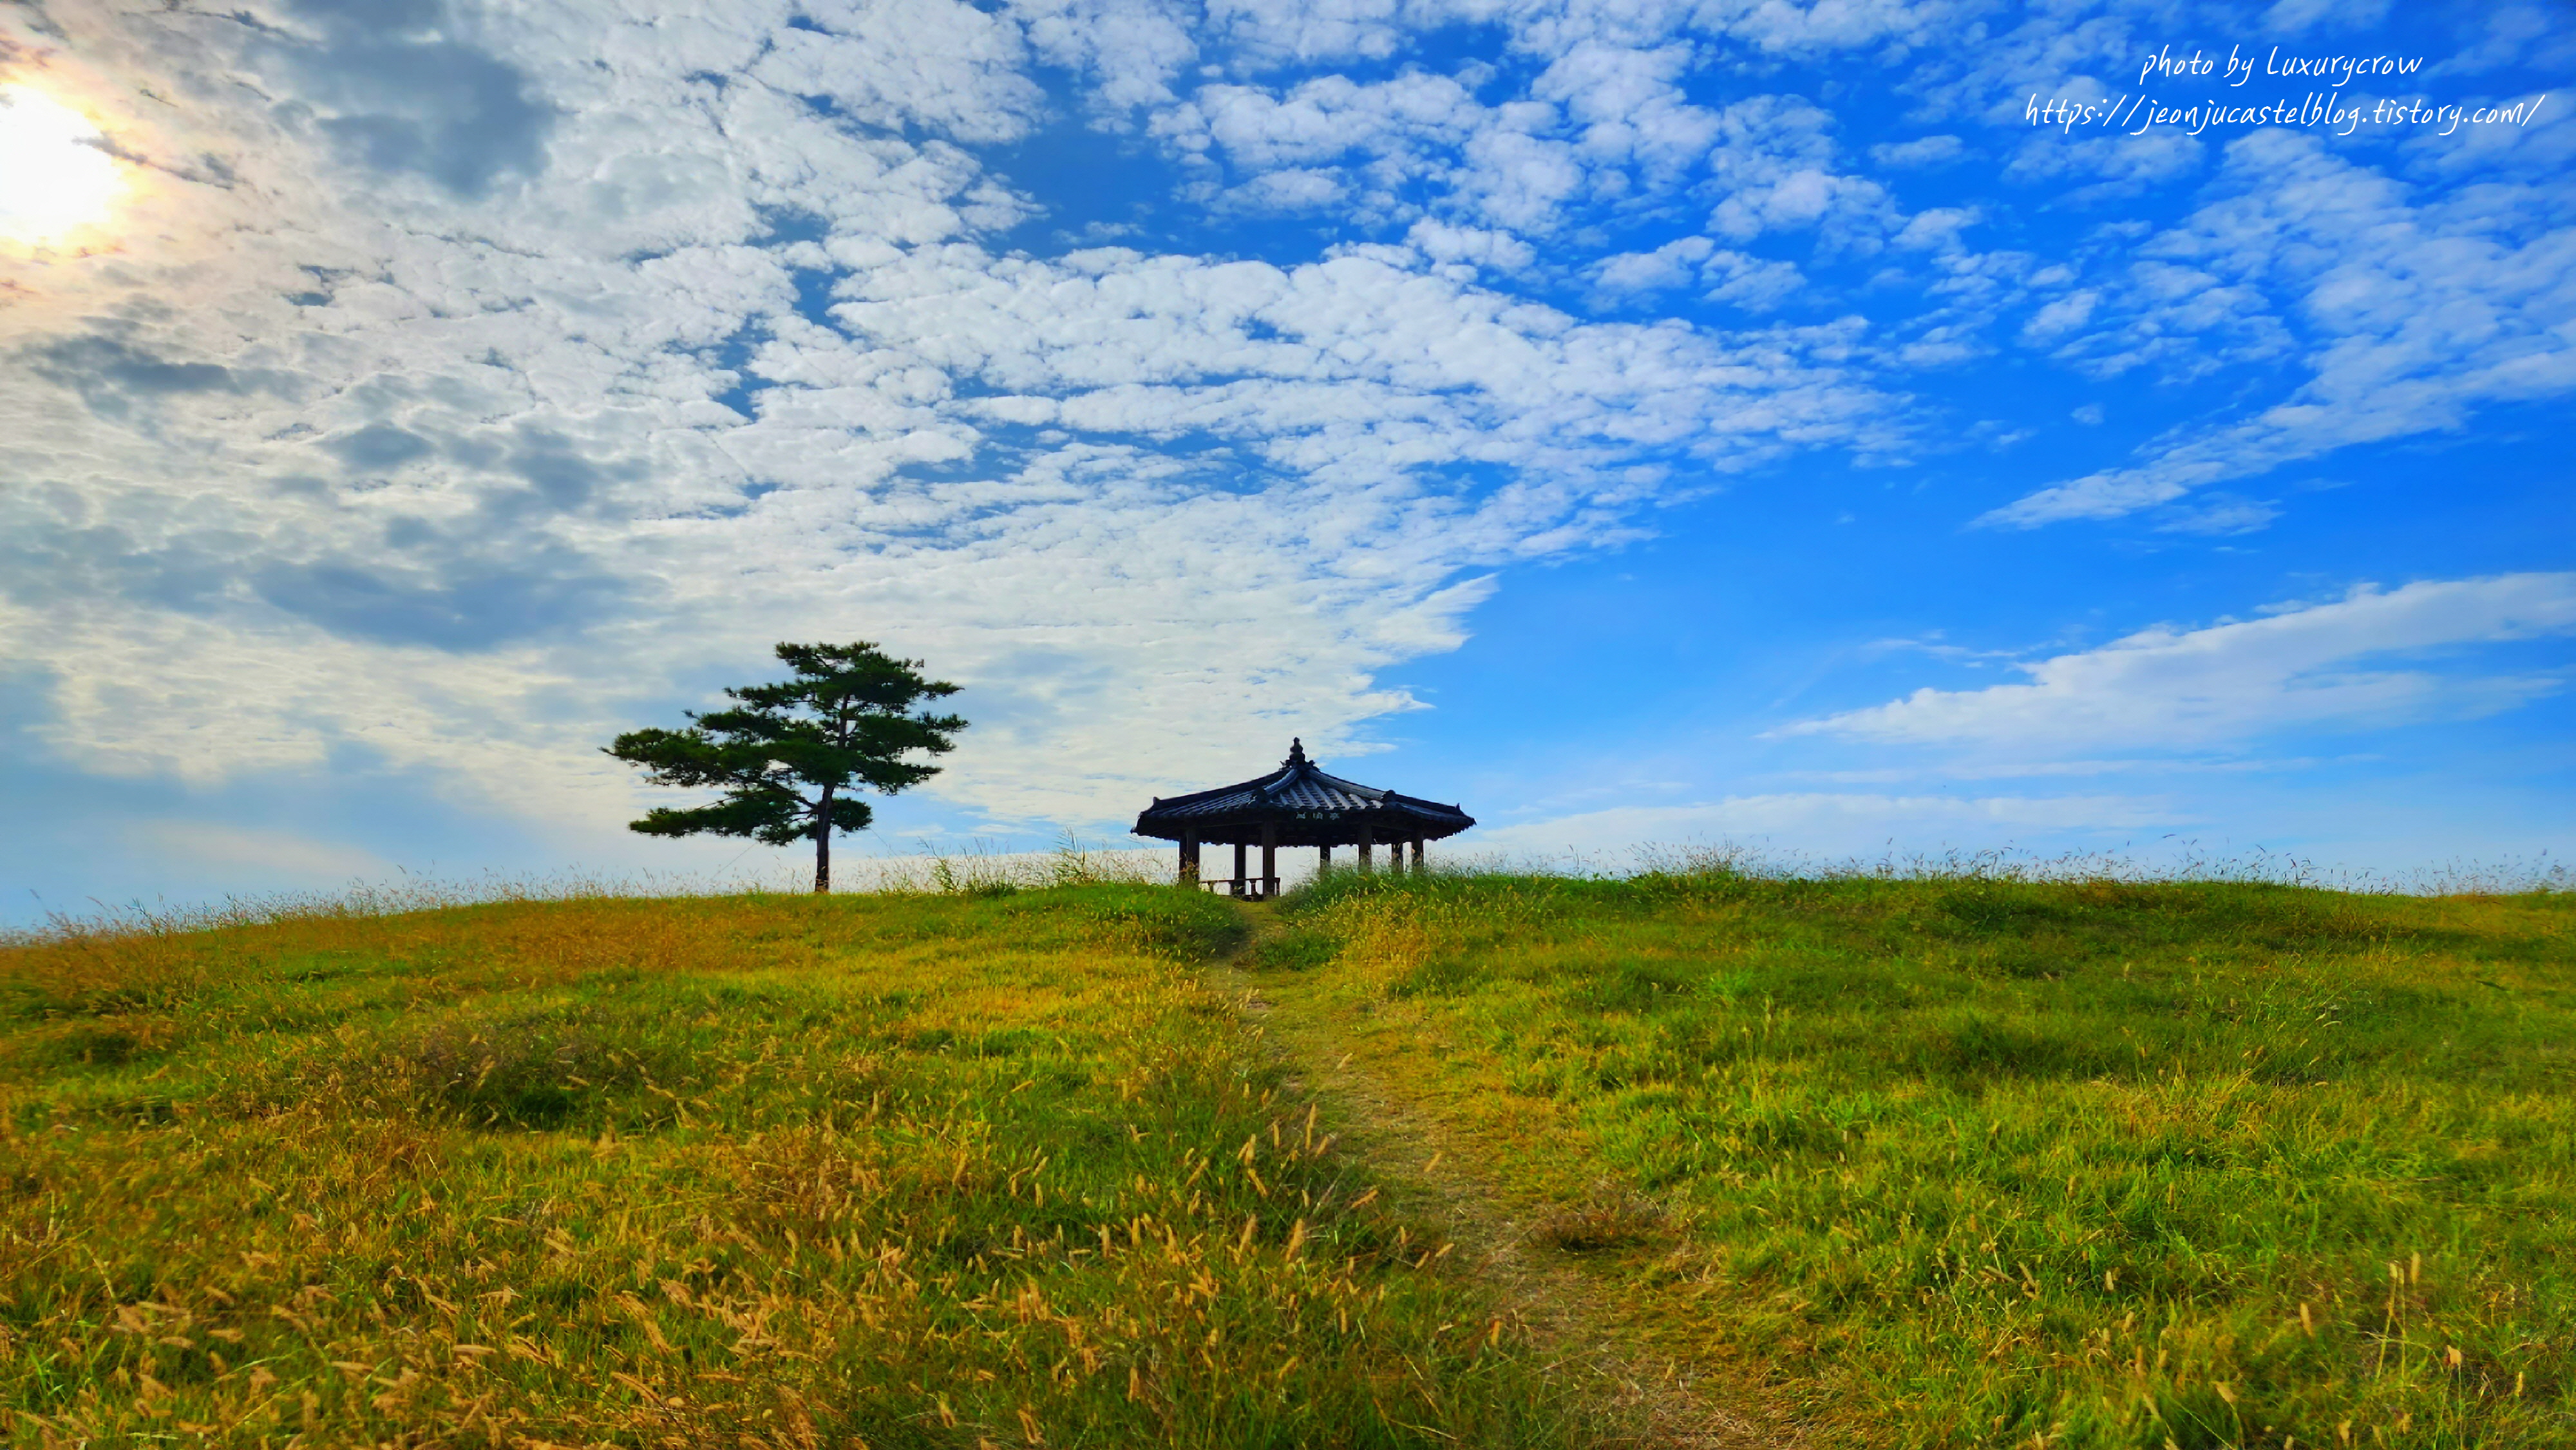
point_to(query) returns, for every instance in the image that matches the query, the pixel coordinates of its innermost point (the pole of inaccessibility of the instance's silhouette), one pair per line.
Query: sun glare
(54, 177)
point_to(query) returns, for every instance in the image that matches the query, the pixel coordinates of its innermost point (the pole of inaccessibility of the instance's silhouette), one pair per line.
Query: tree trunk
(823, 844)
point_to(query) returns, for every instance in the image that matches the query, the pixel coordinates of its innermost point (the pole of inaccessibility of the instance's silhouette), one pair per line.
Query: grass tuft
(1611, 1218)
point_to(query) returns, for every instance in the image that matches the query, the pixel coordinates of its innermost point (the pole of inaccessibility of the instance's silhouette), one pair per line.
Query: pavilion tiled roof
(1305, 804)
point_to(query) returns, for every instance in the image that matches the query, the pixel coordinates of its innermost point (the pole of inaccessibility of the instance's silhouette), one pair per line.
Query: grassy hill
(1699, 1158)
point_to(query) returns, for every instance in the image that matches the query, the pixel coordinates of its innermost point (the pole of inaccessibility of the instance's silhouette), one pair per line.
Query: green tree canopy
(790, 757)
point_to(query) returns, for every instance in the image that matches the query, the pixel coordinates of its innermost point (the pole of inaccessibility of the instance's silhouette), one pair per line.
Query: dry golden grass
(767, 1171)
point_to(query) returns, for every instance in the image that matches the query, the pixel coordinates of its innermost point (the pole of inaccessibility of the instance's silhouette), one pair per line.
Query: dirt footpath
(1531, 1246)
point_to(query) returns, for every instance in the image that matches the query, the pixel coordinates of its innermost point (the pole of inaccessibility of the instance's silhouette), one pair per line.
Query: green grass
(1939, 1162)
(897, 1171)
(1978, 1161)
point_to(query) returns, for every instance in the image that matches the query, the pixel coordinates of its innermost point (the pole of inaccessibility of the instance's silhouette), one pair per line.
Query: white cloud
(452, 480)
(1774, 170)
(2309, 666)
(1924, 152)
(1299, 189)
(2523, 34)
(2055, 769)
(1630, 107)
(440, 459)
(1325, 119)
(1753, 283)
(2106, 167)
(1514, 179)
(2416, 312)
(1670, 265)
(2299, 15)
(1938, 228)
(1478, 246)
(1824, 25)
(2218, 514)
(2062, 316)
(203, 849)
(1828, 822)
(1307, 31)
(1606, 123)
(1130, 49)
(931, 63)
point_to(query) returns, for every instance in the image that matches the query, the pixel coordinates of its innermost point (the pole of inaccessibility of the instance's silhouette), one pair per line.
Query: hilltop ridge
(1936, 1162)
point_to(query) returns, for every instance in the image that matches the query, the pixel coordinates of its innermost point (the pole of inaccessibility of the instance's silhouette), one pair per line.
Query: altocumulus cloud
(467, 378)
(2414, 314)
(531, 360)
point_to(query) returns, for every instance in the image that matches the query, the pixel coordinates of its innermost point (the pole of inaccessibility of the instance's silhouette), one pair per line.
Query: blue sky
(1639, 422)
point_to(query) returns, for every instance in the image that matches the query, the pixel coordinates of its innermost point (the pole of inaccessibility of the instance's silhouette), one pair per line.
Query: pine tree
(791, 756)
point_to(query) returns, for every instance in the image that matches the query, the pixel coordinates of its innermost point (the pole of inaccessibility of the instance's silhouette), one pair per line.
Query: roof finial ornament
(1296, 751)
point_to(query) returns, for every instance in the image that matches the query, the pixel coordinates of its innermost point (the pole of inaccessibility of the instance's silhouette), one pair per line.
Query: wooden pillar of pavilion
(1269, 860)
(1238, 867)
(1368, 849)
(1189, 858)
(1417, 855)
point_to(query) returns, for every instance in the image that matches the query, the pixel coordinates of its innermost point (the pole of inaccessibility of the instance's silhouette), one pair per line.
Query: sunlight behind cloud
(54, 177)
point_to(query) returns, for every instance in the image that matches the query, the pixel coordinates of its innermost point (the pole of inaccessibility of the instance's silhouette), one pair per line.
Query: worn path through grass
(1432, 1140)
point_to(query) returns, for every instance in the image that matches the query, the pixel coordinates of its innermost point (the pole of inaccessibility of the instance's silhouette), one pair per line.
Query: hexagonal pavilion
(1295, 805)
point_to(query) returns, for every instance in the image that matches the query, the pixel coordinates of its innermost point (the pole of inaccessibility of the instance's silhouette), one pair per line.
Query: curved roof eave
(1303, 795)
